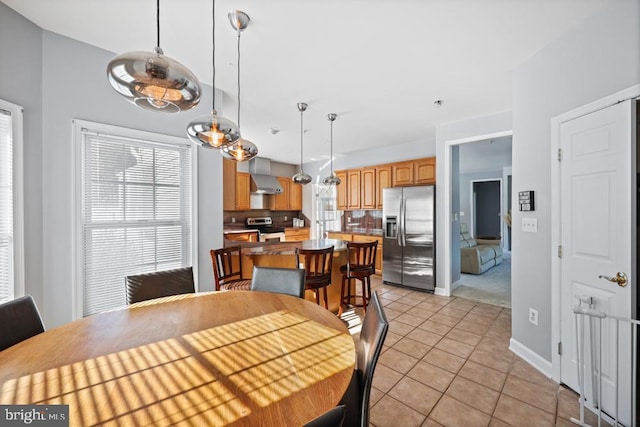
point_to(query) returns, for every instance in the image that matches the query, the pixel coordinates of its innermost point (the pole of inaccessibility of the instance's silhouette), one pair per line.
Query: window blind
(136, 213)
(6, 206)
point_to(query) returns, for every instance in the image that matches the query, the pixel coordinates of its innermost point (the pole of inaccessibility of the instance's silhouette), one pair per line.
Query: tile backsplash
(361, 221)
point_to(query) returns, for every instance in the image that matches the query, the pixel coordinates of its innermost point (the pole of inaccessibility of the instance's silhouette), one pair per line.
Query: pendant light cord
(239, 79)
(301, 137)
(158, 22)
(213, 54)
(331, 147)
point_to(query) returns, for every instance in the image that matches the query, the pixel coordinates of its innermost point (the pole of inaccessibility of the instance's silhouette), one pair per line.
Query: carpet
(491, 287)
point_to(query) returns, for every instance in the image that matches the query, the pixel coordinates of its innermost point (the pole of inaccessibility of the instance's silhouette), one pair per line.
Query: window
(135, 209)
(11, 249)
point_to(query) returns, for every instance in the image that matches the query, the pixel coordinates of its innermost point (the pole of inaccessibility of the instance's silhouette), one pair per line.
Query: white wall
(595, 59)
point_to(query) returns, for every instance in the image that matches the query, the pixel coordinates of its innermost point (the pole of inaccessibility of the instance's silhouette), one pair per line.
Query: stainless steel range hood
(262, 182)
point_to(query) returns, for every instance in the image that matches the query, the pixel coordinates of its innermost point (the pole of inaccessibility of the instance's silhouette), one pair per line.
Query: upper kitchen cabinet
(402, 174)
(291, 197)
(383, 180)
(243, 188)
(414, 172)
(425, 171)
(236, 187)
(353, 189)
(342, 191)
(368, 188)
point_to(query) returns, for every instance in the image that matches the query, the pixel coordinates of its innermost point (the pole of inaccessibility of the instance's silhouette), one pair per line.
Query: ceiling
(379, 65)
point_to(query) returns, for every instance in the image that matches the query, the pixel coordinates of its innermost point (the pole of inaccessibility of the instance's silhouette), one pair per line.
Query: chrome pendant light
(153, 81)
(213, 131)
(242, 150)
(301, 177)
(333, 178)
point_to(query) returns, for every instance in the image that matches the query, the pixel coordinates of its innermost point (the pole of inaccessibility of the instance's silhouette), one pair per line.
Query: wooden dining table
(237, 358)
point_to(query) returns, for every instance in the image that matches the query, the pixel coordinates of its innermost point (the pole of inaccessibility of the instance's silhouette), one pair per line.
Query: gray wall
(58, 79)
(595, 59)
(21, 83)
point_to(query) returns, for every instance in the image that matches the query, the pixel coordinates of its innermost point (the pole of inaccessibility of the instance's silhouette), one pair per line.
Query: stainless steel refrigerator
(408, 252)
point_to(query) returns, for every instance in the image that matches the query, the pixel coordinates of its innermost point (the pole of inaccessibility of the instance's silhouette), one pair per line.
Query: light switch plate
(530, 225)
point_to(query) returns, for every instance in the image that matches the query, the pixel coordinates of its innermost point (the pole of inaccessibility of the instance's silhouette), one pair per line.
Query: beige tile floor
(446, 362)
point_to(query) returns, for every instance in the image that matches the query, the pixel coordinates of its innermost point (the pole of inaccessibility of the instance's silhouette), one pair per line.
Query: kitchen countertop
(285, 248)
(233, 231)
(375, 233)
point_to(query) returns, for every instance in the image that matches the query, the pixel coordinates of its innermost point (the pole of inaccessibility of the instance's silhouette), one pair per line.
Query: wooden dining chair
(227, 272)
(317, 264)
(332, 418)
(143, 287)
(288, 281)
(19, 320)
(372, 335)
(361, 259)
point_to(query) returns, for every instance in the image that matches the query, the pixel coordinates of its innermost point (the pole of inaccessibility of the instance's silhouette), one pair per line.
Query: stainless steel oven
(268, 233)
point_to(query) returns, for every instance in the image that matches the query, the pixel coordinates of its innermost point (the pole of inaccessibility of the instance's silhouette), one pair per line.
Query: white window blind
(6, 206)
(136, 213)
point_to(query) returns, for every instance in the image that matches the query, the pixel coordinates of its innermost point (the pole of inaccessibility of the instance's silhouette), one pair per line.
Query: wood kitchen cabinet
(368, 188)
(425, 171)
(342, 191)
(340, 236)
(236, 187)
(353, 189)
(291, 197)
(296, 234)
(244, 236)
(383, 180)
(402, 174)
(243, 188)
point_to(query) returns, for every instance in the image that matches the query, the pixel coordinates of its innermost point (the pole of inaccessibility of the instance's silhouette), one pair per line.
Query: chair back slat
(318, 263)
(362, 254)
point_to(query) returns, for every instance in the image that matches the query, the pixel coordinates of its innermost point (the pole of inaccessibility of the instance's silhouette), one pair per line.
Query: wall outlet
(285, 217)
(533, 316)
(530, 225)
(233, 219)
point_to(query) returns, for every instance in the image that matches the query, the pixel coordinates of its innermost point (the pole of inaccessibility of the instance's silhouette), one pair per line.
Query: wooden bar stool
(317, 266)
(227, 274)
(361, 258)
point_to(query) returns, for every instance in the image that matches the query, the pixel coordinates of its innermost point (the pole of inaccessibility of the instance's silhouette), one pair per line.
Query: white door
(596, 212)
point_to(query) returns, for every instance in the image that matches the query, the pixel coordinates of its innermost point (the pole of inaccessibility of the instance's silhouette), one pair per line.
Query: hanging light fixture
(213, 131)
(333, 178)
(301, 177)
(153, 81)
(242, 150)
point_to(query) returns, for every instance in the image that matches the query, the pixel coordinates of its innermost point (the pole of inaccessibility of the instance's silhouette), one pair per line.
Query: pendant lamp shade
(301, 177)
(241, 150)
(154, 81)
(333, 178)
(213, 131)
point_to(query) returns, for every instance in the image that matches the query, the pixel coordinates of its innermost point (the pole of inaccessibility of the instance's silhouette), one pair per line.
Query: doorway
(486, 205)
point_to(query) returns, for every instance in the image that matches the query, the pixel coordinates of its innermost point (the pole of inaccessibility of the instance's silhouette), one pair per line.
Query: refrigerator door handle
(399, 225)
(403, 240)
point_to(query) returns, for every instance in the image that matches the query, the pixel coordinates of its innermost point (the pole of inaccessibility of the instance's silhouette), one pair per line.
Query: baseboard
(454, 286)
(531, 357)
(442, 292)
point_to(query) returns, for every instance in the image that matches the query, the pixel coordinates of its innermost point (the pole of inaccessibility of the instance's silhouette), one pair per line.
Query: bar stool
(361, 258)
(317, 266)
(226, 276)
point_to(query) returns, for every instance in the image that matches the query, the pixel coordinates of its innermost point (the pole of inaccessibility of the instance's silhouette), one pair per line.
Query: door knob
(619, 278)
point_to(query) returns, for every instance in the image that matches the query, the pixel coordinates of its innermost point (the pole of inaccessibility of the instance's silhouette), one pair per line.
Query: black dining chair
(142, 287)
(19, 320)
(332, 418)
(372, 336)
(289, 281)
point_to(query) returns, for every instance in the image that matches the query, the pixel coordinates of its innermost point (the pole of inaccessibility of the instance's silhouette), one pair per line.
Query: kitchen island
(283, 254)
